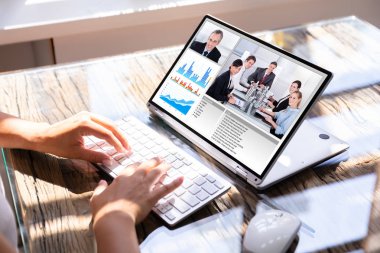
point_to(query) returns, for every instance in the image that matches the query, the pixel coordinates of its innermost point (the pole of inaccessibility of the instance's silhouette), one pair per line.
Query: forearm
(18, 133)
(268, 112)
(115, 234)
(5, 246)
(273, 124)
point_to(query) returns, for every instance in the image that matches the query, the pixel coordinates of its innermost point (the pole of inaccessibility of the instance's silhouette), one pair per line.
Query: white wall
(160, 28)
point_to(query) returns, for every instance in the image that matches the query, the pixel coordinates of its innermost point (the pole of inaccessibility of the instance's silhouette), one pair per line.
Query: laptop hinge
(241, 172)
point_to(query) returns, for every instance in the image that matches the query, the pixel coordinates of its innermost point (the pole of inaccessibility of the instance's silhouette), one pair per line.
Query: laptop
(237, 129)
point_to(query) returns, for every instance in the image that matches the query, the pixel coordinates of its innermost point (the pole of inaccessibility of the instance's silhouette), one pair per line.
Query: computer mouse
(271, 232)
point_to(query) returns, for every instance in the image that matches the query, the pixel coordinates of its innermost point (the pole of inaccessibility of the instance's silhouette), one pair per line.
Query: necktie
(230, 85)
(205, 53)
(264, 77)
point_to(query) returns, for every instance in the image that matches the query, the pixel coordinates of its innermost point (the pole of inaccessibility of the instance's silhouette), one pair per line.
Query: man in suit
(221, 89)
(208, 49)
(263, 76)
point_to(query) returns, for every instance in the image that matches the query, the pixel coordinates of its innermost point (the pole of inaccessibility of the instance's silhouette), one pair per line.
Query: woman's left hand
(65, 138)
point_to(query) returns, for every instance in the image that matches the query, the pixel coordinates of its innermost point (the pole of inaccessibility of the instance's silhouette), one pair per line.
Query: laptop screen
(242, 95)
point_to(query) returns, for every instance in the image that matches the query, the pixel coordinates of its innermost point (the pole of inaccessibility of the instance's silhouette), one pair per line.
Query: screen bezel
(288, 137)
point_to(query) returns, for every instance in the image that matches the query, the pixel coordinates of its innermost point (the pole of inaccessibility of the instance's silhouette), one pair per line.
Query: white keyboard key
(194, 189)
(89, 143)
(111, 151)
(187, 183)
(144, 152)
(191, 175)
(203, 173)
(126, 162)
(131, 141)
(200, 180)
(184, 170)
(143, 140)
(169, 195)
(149, 144)
(136, 157)
(163, 208)
(137, 147)
(167, 180)
(116, 168)
(128, 129)
(156, 149)
(219, 184)
(170, 159)
(179, 156)
(173, 151)
(187, 162)
(119, 122)
(119, 156)
(172, 172)
(137, 135)
(146, 131)
(150, 156)
(177, 164)
(190, 199)
(170, 216)
(163, 154)
(202, 195)
(210, 178)
(158, 140)
(180, 205)
(210, 188)
(97, 149)
(179, 191)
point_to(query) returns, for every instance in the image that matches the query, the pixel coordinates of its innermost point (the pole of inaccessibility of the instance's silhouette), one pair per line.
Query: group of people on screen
(279, 114)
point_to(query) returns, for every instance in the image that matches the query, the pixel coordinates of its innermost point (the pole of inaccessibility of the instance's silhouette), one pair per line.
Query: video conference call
(239, 94)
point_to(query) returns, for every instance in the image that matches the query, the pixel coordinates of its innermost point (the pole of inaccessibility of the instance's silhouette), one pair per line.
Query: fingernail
(107, 162)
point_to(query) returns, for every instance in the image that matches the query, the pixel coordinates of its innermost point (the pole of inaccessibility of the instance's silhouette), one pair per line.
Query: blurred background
(44, 32)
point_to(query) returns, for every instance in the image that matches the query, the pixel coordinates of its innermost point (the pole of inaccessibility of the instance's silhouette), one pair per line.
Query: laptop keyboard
(200, 186)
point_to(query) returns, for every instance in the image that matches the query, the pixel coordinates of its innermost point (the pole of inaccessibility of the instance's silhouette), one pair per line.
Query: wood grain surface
(53, 193)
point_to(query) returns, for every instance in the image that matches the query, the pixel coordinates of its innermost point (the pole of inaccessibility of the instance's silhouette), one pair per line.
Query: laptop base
(310, 146)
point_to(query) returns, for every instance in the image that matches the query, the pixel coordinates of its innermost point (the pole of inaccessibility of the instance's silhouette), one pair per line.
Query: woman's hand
(134, 192)
(117, 207)
(270, 120)
(65, 138)
(232, 100)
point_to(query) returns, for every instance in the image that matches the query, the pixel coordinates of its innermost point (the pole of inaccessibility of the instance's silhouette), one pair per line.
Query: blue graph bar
(194, 77)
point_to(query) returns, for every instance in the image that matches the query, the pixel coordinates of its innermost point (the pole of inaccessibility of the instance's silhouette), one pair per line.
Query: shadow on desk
(76, 176)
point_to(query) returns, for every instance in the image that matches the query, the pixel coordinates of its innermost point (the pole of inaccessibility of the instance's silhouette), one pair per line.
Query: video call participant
(281, 121)
(208, 49)
(221, 88)
(236, 80)
(263, 76)
(282, 103)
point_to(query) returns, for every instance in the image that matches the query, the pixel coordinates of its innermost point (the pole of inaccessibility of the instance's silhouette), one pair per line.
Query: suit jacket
(200, 48)
(281, 104)
(259, 74)
(219, 89)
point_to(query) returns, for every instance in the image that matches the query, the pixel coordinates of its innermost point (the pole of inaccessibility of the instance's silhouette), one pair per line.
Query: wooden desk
(52, 194)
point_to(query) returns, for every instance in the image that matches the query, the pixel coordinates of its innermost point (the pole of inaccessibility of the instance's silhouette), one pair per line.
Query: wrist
(113, 221)
(113, 232)
(37, 136)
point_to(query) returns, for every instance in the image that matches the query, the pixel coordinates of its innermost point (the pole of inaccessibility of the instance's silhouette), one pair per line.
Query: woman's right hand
(118, 207)
(133, 193)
